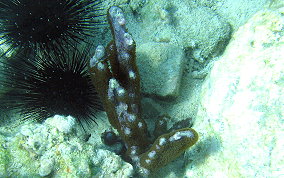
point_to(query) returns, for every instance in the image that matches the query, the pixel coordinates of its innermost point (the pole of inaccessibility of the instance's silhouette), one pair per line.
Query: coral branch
(167, 147)
(116, 78)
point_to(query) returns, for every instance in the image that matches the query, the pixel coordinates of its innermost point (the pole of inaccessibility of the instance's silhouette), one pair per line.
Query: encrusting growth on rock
(116, 78)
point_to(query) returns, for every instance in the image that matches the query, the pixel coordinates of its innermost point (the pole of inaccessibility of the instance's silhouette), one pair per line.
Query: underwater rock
(181, 24)
(160, 66)
(63, 124)
(49, 149)
(235, 12)
(3, 157)
(240, 116)
(238, 12)
(46, 166)
(110, 165)
(203, 30)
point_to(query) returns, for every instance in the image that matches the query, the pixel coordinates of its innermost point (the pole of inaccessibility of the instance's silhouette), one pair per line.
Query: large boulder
(240, 117)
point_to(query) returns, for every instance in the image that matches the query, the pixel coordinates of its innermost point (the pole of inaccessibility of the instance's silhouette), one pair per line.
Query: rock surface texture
(56, 150)
(165, 63)
(240, 118)
(197, 30)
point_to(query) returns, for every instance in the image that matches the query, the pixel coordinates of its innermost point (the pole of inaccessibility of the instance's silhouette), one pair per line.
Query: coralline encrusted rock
(237, 12)
(3, 157)
(171, 32)
(110, 165)
(185, 25)
(46, 166)
(242, 105)
(63, 124)
(54, 148)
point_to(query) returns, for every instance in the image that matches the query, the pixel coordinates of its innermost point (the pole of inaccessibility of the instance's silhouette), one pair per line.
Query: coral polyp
(47, 25)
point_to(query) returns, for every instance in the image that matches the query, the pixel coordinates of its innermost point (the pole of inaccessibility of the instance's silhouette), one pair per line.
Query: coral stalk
(118, 82)
(116, 77)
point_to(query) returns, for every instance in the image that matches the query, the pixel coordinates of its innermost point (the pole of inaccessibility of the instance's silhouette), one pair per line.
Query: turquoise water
(216, 64)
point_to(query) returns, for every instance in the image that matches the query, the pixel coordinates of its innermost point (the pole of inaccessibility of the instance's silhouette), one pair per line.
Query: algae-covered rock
(235, 12)
(182, 24)
(240, 118)
(107, 164)
(203, 30)
(55, 149)
(4, 157)
(161, 66)
(238, 12)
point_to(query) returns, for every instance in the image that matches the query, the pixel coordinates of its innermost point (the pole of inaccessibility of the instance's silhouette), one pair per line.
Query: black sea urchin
(42, 87)
(47, 25)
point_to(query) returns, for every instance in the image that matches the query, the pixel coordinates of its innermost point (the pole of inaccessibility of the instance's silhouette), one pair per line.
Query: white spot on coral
(179, 135)
(117, 14)
(135, 159)
(121, 107)
(133, 150)
(162, 141)
(121, 20)
(148, 161)
(120, 91)
(99, 54)
(26, 131)
(131, 117)
(113, 83)
(110, 94)
(132, 74)
(128, 39)
(127, 131)
(161, 122)
(175, 137)
(140, 124)
(101, 66)
(143, 171)
(151, 154)
(93, 61)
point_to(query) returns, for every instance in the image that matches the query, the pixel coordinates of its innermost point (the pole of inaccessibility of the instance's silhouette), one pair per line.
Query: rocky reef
(235, 101)
(56, 149)
(240, 115)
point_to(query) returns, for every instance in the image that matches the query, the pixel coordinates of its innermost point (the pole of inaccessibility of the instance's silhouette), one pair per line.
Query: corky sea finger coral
(116, 78)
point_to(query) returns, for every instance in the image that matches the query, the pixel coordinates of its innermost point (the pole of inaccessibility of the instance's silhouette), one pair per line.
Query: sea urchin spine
(40, 87)
(47, 25)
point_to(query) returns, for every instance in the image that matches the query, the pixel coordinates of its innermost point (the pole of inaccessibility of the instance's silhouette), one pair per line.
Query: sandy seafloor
(217, 62)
